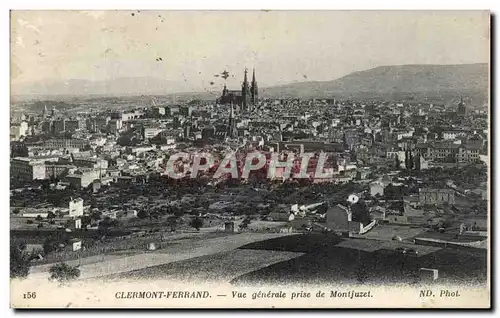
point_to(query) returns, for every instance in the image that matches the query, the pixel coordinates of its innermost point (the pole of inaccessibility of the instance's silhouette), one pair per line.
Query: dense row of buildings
(357, 136)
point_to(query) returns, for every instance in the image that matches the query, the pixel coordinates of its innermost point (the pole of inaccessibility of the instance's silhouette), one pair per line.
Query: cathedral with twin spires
(246, 99)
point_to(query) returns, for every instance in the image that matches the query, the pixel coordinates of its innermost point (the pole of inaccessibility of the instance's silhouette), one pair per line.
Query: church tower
(245, 92)
(461, 107)
(230, 129)
(254, 90)
(224, 91)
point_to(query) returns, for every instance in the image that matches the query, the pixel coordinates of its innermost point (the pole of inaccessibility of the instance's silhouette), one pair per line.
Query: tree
(38, 218)
(244, 224)
(106, 224)
(353, 155)
(417, 165)
(19, 261)
(360, 213)
(398, 163)
(63, 272)
(344, 142)
(361, 272)
(391, 192)
(86, 221)
(410, 161)
(155, 215)
(142, 214)
(51, 215)
(96, 215)
(172, 222)
(196, 223)
(179, 212)
(49, 245)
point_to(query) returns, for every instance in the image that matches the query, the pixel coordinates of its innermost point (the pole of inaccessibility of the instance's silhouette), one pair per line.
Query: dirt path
(104, 265)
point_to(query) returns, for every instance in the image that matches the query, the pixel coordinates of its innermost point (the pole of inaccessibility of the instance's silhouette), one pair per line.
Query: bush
(63, 272)
(49, 245)
(360, 213)
(19, 261)
(142, 214)
(244, 224)
(179, 213)
(196, 223)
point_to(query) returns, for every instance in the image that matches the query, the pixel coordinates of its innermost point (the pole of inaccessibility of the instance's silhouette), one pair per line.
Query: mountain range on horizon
(426, 80)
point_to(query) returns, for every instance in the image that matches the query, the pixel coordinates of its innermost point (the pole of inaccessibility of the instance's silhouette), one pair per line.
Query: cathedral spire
(245, 80)
(230, 129)
(254, 89)
(245, 92)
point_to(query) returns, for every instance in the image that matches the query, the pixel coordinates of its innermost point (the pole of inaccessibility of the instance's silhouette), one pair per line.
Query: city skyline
(189, 48)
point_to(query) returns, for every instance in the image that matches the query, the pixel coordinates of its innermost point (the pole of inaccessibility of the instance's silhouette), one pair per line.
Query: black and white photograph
(249, 159)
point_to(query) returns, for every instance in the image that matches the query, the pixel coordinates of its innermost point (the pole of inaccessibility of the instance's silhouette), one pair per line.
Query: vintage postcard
(250, 159)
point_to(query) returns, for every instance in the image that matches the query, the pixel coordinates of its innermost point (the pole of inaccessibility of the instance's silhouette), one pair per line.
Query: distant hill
(124, 86)
(427, 81)
(419, 82)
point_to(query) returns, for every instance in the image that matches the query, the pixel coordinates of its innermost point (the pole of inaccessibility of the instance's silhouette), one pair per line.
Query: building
(114, 125)
(18, 130)
(71, 125)
(75, 244)
(88, 162)
(82, 179)
(338, 217)
(151, 132)
(378, 213)
(53, 171)
(469, 153)
(97, 124)
(29, 168)
(449, 152)
(453, 134)
(421, 163)
(186, 111)
(158, 111)
(76, 207)
(377, 187)
(436, 196)
(74, 224)
(66, 143)
(128, 115)
(58, 126)
(246, 99)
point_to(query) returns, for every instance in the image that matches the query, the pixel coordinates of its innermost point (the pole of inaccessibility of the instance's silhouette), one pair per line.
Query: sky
(283, 46)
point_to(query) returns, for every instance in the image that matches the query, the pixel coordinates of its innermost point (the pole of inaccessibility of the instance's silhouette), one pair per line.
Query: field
(263, 258)
(181, 248)
(361, 260)
(220, 267)
(387, 232)
(317, 258)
